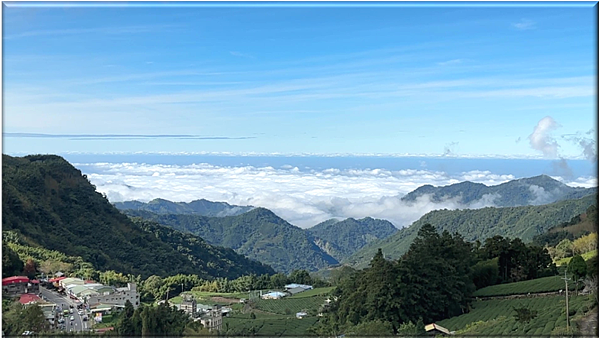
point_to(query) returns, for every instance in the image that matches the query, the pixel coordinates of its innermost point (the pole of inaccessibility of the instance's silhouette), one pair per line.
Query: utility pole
(567, 296)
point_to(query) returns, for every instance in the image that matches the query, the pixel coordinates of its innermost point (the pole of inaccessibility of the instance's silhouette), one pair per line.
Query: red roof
(35, 281)
(56, 279)
(27, 298)
(90, 282)
(14, 280)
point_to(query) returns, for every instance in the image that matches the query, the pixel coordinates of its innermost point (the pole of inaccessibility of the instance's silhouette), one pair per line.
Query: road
(63, 302)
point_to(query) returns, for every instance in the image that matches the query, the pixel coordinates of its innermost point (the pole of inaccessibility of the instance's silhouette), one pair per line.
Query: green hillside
(50, 204)
(495, 318)
(341, 239)
(198, 207)
(523, 222)
(258, 234)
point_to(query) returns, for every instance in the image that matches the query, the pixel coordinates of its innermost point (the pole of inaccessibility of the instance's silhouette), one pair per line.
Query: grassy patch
(546, 284)
(289, 306)
(585, 256)
(495, 317)
(320, 291)
(205, 297)
(269, 325)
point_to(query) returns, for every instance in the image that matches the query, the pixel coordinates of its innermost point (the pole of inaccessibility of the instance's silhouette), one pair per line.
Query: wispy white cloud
(241, 55)
(524, 24)
(303, 197)
(450, 62)
(92, 30)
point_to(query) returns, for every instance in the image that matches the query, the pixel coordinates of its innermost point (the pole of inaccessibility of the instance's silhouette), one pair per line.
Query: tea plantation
(547, 284)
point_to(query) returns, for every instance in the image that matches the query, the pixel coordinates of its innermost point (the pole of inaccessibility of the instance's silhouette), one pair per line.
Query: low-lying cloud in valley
(302, 197)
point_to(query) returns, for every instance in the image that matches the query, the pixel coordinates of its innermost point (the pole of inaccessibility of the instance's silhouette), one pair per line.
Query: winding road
(63, 303)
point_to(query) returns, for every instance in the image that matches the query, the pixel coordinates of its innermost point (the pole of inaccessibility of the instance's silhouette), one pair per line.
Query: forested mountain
(50, 204)
(527, 191)
(524, 222)
(340, 239)
(258, 234)
(579, 225)
(198, 207)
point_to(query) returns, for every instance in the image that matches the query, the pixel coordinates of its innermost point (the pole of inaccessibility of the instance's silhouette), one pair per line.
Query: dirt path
(589, 325)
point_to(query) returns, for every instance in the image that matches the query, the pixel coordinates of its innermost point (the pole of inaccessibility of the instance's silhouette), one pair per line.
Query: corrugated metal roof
(15, 280)
(28, 298)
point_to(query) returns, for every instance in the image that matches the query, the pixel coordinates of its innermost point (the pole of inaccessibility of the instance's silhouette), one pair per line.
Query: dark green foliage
(152, 321)
(342, 238)
(373, 328)
(516, 222)
(18, 318)
(578, 268)
(517, 261)
(50, 204)
(485, 273)
(432, 281)
(198, 207)
(11, 264)
(524, 314)
(577, 227)
(513, 193)
(592, 266)
(258, 234)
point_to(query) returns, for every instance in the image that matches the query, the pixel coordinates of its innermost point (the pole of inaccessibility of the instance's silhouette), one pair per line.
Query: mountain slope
(340, 239)
(527, 191)
(523, 222)
(52, 205)
(259, 234)
(197, 207)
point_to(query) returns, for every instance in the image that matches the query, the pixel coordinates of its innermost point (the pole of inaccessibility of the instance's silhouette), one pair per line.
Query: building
(117, 297)
(189, 305)
(13, 286)
(435, 329)
(28, 298)
(273, 295)
(301, 315)
(212, 319)
(295, 290)
(305, 287)
(70, 281)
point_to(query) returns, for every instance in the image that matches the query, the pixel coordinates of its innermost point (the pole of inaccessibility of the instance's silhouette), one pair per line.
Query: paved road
(63, 302)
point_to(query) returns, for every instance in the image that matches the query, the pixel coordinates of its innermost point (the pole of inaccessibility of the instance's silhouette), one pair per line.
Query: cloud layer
(302, 197)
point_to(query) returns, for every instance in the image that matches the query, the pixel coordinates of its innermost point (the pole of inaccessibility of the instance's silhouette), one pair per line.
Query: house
(29, 298)
(70, 281)
(188, 305)
(435, 329)
(116, 297)
(17, 285)
(273, 295)
(305, 287)
(212, 319)
(300, 315)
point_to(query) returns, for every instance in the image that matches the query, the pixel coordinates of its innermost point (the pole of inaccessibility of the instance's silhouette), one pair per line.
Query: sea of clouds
(302, 197)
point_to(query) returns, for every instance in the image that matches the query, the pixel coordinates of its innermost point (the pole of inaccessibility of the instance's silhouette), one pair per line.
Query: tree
(125, 325)
(373, 328)
(564, 249)
(585, 244)
(30, 268)
(11, 264)
(578, 269)
(524, 314)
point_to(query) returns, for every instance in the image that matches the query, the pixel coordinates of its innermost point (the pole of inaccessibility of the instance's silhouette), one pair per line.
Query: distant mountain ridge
(523, 222)
(340, 239)
(201, 207)
(258, 234)
(51, 204)
(537, 190)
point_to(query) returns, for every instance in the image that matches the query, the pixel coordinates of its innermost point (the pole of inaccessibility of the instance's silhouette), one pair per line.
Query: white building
(117, 298)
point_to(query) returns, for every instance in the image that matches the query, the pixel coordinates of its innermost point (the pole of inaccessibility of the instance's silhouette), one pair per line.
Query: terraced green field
(320, 291)
(205, 297)
(271, 326)
(290, 305)
(495, 317)
(547, 284)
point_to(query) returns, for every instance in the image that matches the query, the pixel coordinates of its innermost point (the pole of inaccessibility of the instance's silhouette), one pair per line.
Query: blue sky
(461, 80)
